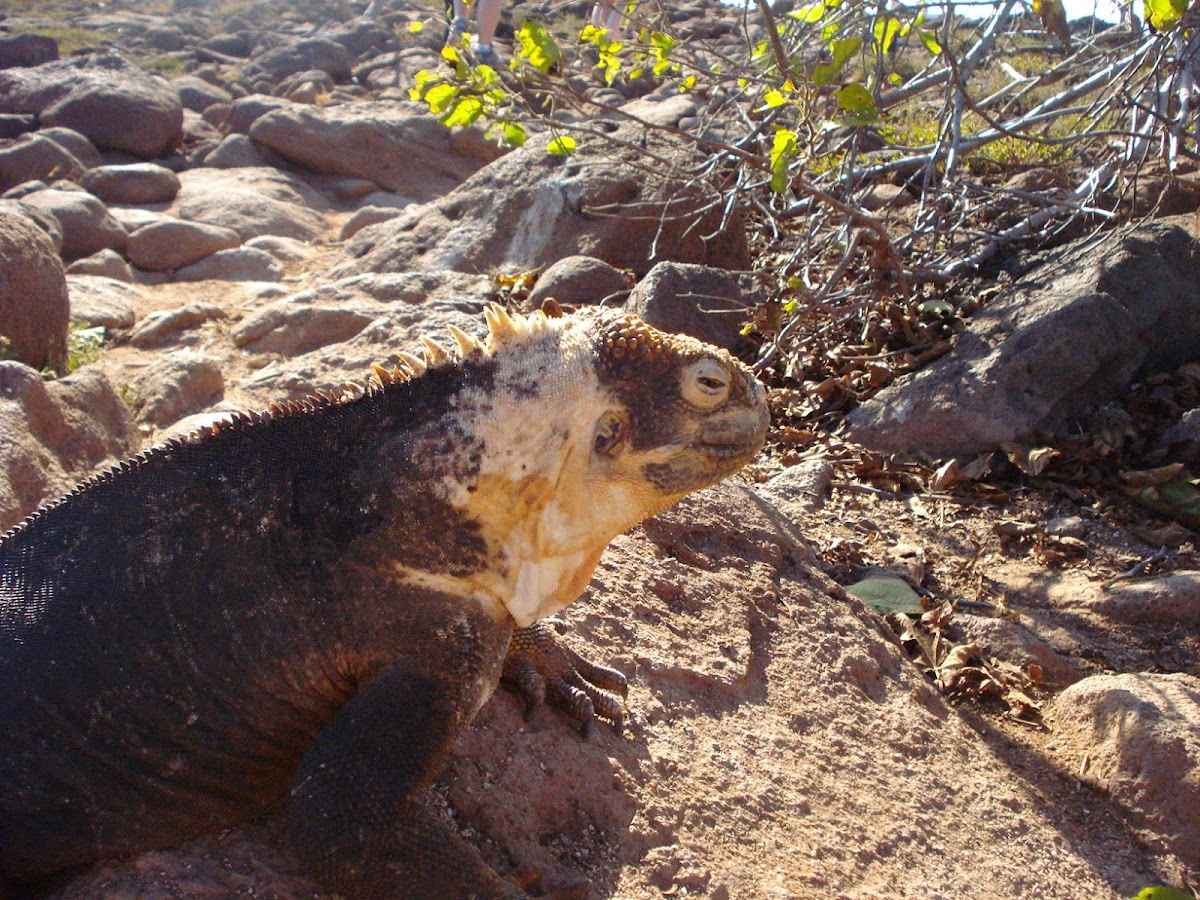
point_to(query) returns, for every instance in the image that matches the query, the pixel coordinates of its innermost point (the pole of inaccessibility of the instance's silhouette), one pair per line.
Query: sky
(1101, 9)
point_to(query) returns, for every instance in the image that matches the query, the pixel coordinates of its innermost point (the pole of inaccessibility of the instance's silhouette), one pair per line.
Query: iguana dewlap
(302, 608)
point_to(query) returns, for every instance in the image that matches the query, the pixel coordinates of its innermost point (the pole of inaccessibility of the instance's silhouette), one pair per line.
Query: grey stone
(578, 281)
(704, 302)
(135, 183)
(174, 243)
(34, 309)
(1068, 337)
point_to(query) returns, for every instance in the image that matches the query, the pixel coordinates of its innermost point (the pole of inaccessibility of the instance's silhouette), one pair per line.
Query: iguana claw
(541, 669)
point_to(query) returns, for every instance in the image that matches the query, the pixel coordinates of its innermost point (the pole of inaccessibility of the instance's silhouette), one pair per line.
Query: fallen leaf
(1030, 460)
(1153, 477)
(947, 475)
(885, 594)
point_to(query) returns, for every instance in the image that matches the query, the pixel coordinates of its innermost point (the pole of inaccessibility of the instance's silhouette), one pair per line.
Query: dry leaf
(1153, 477)
(1030, 460)
(948, 475)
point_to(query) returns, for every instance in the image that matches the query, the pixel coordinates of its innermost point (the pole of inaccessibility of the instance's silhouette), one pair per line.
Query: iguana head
(583, 426)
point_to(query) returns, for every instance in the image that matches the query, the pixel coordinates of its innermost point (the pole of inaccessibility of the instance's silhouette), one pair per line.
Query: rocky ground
(277, 217)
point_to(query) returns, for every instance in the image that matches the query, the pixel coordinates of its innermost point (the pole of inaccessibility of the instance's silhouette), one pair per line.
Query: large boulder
(35, 157)
(55, 433)
(34, 307)
(704, 302)
(304, 55)
(87, 227)
(175, 243)
(252, 202)
(394, 145)
(1066, 337)
(29, 49)
(135, 183)
(105, 97)
(1137, 737)
(529, 209)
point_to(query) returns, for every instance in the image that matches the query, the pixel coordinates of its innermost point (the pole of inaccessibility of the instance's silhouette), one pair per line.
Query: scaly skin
(301, 609)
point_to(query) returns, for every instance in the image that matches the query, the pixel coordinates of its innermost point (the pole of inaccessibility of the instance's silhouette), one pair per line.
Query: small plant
(84, 345)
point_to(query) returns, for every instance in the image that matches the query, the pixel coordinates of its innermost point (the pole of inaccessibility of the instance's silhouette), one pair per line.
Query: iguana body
(304, 607)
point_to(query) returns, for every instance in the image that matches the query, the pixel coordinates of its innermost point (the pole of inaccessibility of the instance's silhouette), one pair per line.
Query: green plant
(84, 345)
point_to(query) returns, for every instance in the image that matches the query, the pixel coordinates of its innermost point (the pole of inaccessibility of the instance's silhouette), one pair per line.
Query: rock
(1167, 601)
(252, 202)
(1067, 526)
(577, 281)
(13, 125)
(367, 215)
(1013, 642)
(886, 197)
(245, 111)
(167, 38)
(800, 490)
(236, 151)
(49, 225)
(75, 143)
(174, 243)
(704, 302)
(1138, 736)
(292, 328)
(393, 145)
(313, 53)
(198, 95)
(164, 326)
(1125, 309)
(104, 97)
(29, 49)
(662, 111)
(35, 157)
(107, 263)
(529, 209)
(176, 385)
(306, 87)
(286, 250)
(55, 433)
(237, 264)
(99, 300)
(87, 227)
(34, 309)
(135, 183)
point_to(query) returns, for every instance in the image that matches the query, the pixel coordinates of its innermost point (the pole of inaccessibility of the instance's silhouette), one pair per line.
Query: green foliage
(466, 95)
(1161, 893)
(538, 47)
(84, 345)
(1164, 15)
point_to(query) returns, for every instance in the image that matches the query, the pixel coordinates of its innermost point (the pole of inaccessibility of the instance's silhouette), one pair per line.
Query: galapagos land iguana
(299, 610)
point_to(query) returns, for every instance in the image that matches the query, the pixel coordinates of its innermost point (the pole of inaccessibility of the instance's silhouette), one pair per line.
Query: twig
(1157, 556)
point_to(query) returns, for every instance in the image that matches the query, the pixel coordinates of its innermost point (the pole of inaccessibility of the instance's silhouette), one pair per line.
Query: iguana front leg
(353, 816)
(542, 669)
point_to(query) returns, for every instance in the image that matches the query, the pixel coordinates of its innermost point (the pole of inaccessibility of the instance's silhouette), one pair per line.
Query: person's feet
(485, 54)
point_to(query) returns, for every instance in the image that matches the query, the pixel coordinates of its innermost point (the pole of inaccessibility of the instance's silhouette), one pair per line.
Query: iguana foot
(541, 669)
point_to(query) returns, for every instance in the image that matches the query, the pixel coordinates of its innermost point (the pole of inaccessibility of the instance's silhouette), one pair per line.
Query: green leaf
(885, 31)
(465, 112)
(810, 14)
(563, 145)
(511, 134)
(1164, 14)
(886, 593)
(1161, 893)
(439, 97)
(538, 47)
(857, 101)
(930, 42)
(416, 27)
(783, 151)
(773, 99)
(841, 51)
(687, 84)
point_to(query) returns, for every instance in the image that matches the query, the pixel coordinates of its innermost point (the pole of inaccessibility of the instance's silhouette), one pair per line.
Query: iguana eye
(706, 384)
(610, 431)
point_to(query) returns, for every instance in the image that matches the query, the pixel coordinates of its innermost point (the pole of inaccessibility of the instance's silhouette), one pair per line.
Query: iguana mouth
(733, 443)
